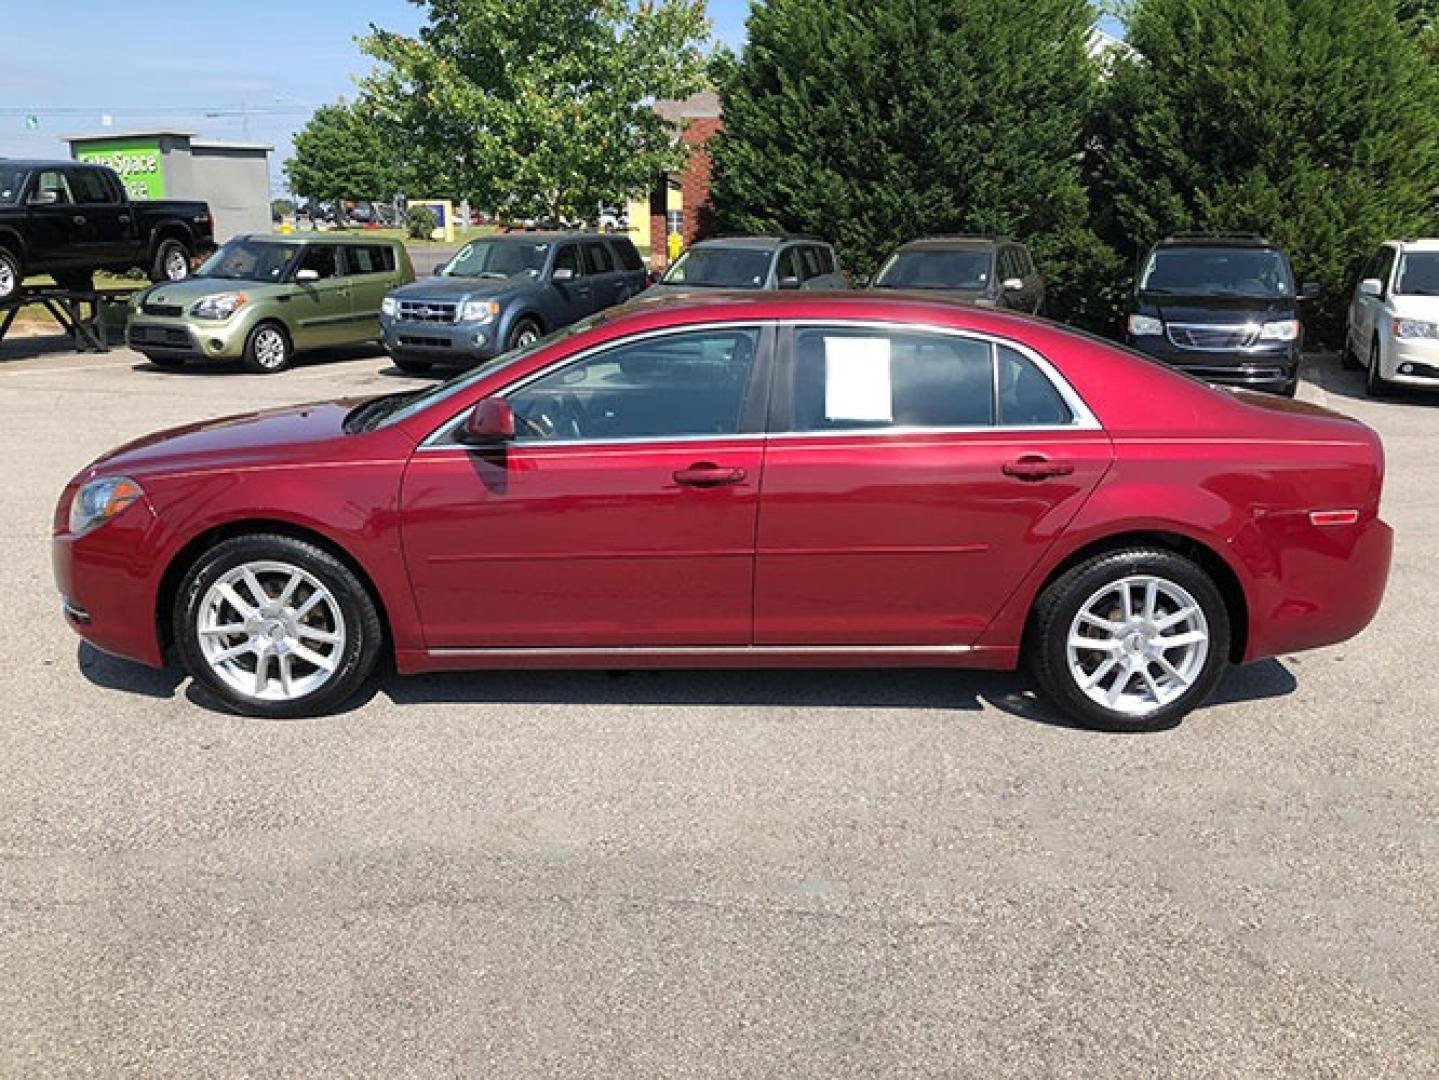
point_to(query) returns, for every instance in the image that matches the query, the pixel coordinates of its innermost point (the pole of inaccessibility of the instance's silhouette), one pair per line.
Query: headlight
(218, 307)
(1280, 330)
(100, 500)
(480, 311)
(1415, 328)
(389, 306)
(1145, 326)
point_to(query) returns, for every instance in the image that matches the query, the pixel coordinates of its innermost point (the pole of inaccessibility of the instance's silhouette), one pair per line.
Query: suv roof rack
(1236, 234)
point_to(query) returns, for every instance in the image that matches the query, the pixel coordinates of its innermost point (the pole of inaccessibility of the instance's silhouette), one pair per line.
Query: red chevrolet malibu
(773, 480)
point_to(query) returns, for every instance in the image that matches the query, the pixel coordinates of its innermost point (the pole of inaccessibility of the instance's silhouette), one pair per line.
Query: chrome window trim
(1084, 418)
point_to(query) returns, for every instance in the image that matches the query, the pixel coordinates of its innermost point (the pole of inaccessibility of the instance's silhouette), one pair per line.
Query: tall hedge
(873, 122)
(1313, 121)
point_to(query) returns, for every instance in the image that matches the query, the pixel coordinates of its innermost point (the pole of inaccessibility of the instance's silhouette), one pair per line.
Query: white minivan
(1393, 331)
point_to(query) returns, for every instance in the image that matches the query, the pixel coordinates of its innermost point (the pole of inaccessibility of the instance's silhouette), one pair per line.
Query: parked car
(69, 220)
(506, 292)
(830, 480)
(985, 270)
(752, 262)
(1393, 328)
(1222, 307)
(262, 299)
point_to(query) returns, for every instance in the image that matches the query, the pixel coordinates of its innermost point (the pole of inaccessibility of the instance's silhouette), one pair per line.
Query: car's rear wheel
(1375, 384)
(268, 350)
(10, 275)
(276, 627)
(171, 261)
(1130, 640)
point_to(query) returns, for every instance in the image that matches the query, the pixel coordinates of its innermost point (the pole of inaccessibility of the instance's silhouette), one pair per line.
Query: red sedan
(769, 480)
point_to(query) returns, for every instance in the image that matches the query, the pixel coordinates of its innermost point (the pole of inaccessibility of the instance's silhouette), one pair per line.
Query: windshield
(11, 181)
(1418, 274)
(498, 260)
(1217, 271)
(720, 268)
(936, 269)
(402, 407)
(249, 260)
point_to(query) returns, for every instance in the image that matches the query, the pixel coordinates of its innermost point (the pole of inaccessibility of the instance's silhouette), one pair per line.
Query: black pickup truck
(68, 219)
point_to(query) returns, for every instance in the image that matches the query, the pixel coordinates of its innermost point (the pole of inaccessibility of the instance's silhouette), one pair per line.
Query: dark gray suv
(506, 292)
(753, 262)
(986, 270)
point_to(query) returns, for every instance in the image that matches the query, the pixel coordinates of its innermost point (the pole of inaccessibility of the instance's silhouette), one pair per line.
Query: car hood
(297, 432)
(454, 288)
(184, 293)
(1216, 310)
(1415, 307)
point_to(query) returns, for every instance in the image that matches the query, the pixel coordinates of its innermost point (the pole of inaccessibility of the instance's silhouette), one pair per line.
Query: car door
(602, 274)
(913, 478)
(54, 240)
(102, 220)
(372, 274)
(787, 267)
(573, 295)
(322, 306)
(621, 516)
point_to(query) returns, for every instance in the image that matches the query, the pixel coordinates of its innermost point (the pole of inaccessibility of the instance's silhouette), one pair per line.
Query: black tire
(1059, 606)
(411, 366)
(160, 360)
(165, 264)
(358, 619)
(75, 280)
(523, 334)
(1347, 360)
(12, 276)
(268, 350)
(1375, 384)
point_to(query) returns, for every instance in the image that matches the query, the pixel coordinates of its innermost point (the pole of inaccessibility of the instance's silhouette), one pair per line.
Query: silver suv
(753, 262)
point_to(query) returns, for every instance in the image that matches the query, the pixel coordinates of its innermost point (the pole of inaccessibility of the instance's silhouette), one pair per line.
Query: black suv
(986, 270)
(1222, 307)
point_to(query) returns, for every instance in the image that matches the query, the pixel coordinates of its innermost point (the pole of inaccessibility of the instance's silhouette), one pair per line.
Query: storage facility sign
(136, 160)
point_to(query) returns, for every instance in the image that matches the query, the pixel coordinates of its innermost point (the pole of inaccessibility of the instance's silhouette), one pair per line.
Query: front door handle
(124, 219)
(1032, 467)
(78, 219)
(707, 474)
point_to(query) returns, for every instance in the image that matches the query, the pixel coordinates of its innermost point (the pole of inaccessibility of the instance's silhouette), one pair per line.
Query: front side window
(720, 268)
(568, 258)
(809, 258)
(323, 259)
(89, 186)
(498, 260)
(936, 268)
(1418, 274)
(52, 181)
(672, 385)
(788, 265)
(249, 260)
(1217, 271)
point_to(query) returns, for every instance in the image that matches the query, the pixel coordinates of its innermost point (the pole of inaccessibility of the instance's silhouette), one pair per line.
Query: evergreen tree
(1312, 121)
(873, 122)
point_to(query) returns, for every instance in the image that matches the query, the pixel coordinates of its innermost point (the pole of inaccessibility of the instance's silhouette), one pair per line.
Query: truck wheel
(171, 263)
(10, 275)
(75, 280)
(268, 349)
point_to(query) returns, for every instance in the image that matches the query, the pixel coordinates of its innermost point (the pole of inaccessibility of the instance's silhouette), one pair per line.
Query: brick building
(681, 200)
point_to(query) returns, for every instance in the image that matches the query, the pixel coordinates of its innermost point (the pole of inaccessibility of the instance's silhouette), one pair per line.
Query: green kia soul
(261, 299)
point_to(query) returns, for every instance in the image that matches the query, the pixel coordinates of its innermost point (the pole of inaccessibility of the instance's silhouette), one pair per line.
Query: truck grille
(1203, 337)
(165, 311)
(415, 341)
(433, 311)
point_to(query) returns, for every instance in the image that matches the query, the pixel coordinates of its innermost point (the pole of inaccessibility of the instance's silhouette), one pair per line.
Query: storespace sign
(137, 161)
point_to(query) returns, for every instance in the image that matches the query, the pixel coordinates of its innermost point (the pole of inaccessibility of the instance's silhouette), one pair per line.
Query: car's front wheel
(10, 275)
(1375, 384)
(276, 627)
(1130, 640)
(524, 334)
(268, 350)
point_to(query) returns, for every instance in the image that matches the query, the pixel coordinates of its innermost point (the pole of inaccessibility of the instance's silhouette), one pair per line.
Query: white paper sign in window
(856, 379)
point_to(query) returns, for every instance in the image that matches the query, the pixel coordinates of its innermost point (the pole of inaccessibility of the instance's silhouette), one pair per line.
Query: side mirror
(562, 274)
(789, 282)
(653, 277)
(1371, 286)
(491, 421)
(307, 276)
(1013, 284)
(860, 281)
(44, 198)
(1311, 290)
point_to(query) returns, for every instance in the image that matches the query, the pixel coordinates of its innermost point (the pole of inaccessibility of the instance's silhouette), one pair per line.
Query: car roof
(43, 163)
(947, 243)
(755, 243)
(1210, 240)
(317, 238)
(1425, 244)
(548, 236)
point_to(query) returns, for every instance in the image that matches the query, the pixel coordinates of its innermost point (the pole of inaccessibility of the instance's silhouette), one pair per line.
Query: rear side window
(788, 265)
(377, 259)
(628, 257)
(89, 186)
(1026, 396)
(598, 259)
(809, 260)
(1026, 262)
(848, 378)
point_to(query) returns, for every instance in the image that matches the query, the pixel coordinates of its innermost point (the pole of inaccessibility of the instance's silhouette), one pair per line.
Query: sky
(252, 70)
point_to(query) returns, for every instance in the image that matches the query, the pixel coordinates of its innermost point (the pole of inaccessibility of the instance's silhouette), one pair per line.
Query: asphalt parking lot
(835, 874)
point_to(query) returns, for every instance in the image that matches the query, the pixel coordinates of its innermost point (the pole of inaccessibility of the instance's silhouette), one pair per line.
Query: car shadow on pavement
(316, 358)
(1326, 372)
(112, 673)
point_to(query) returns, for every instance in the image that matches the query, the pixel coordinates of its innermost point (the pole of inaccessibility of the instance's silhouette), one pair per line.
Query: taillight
(1333, 517)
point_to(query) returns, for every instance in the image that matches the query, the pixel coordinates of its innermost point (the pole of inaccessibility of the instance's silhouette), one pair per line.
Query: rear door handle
(1033, 467)
(708, 474)
(124, 219)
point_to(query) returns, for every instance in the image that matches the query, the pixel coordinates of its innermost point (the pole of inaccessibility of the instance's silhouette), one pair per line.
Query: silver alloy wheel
(177, 264)
(8, 283)
(269, 347)
(271, 631)
(1138, 644)
(526, 337)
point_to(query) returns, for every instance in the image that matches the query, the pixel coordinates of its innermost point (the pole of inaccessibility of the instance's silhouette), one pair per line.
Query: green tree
(535, 107)
(1312, 121)
(872, 122)
(340, 154)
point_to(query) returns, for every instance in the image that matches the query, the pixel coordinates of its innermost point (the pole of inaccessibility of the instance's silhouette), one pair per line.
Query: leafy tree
(340, 154)
(873, 122)
(539, 107)
(1312, 121)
